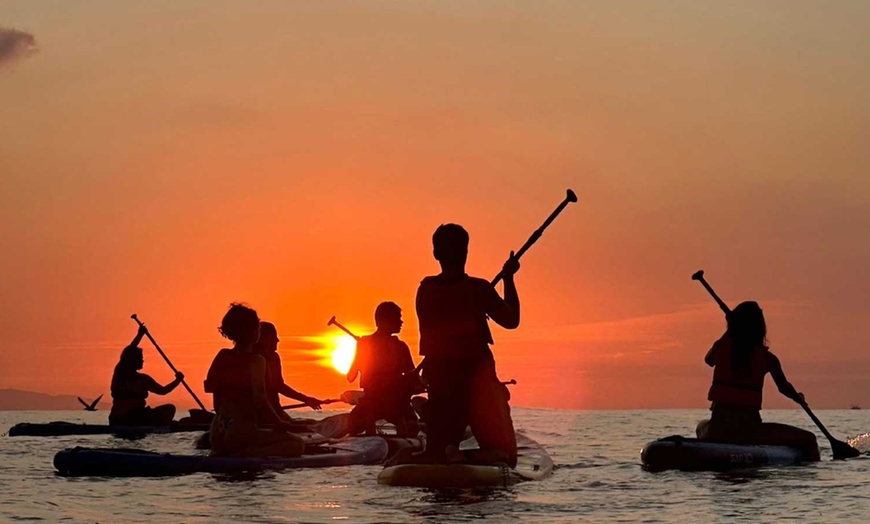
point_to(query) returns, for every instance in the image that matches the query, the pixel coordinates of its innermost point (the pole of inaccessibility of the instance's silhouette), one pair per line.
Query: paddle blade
(842, 450)
(352, 397)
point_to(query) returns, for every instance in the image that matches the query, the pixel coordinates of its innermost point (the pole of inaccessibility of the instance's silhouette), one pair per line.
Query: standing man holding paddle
(452, 309)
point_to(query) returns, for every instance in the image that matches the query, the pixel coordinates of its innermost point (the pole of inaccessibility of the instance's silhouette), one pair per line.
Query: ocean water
(598, 478)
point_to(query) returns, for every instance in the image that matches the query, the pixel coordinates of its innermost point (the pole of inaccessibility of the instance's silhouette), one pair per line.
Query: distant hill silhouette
(17, 400)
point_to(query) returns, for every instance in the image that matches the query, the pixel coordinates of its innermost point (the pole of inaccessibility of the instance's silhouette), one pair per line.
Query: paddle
(162, 354)
(303, 404)
(840, 449)
(352, 396)
(569, 198)
(333, 322)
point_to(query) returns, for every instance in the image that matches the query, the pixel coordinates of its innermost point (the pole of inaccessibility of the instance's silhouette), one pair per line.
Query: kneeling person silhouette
(387, 377)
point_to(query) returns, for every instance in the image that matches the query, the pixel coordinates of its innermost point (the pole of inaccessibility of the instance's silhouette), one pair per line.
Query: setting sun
(343, 352)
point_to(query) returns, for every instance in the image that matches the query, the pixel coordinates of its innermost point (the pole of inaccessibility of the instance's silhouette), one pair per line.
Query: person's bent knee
(702, 429)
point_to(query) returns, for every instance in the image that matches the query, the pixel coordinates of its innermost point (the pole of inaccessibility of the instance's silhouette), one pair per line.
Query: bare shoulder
(773, 360)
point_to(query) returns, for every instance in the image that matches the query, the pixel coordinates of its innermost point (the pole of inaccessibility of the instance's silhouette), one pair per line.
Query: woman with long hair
(237, 378)
(740, 361)
(130, 389)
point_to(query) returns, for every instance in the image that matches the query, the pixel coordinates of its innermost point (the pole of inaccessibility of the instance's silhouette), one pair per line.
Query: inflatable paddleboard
(690, 454)
(60, 429)
(106, 462)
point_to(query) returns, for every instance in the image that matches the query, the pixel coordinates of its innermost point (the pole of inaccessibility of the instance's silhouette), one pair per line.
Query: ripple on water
(597, 479)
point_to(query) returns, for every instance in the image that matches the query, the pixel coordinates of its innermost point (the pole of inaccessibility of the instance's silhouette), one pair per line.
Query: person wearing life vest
(387, 377)
(237, 379)
(740, 361)
(130, 390)
(267, 347)
(464, 389)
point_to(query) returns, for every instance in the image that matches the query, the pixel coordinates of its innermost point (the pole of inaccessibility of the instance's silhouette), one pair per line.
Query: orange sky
(171, 157)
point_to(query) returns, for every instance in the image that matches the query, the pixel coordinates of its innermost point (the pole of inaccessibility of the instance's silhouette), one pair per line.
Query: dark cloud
(15, 44)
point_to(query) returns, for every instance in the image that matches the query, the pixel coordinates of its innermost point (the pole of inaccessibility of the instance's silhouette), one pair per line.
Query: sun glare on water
(344, 348)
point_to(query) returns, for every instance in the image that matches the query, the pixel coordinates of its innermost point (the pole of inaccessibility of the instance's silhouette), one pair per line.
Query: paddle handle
(699, 276)
(162, 354)
(569, 198)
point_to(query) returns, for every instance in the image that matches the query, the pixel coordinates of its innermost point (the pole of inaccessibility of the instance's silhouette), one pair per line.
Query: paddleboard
(60, 429)
(690, 454)
(533, 463)
(107, 462)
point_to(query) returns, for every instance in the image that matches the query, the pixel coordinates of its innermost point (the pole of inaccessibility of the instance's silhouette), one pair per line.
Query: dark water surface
(598, 479)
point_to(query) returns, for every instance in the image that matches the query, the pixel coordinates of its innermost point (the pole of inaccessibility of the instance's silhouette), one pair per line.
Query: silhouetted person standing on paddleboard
(237, 378)
(130, 389)
(267, 347)
(388, 377)
(459, 367)
(740, 360)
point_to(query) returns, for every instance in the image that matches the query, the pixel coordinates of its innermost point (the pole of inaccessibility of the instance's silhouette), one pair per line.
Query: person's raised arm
(782, 383)
(506, 312)
(139, 335)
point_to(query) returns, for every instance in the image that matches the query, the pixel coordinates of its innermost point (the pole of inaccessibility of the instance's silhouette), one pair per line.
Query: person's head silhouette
(388, 317)
(268, 341)
(241, 325)
(450, 245)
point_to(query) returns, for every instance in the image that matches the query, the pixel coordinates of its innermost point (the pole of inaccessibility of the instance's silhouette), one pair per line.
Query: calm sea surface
(598, 479)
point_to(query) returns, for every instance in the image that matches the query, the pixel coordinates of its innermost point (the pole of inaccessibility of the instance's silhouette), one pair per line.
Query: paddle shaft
(570, 197)
(162, 354)
(699, 276)
(837, 447)
(303, 404)
(336, 323)
(818, 422)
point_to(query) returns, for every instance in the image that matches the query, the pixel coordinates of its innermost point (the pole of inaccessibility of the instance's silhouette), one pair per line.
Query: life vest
(129, 386)
(737, 388)
(229, 373)
(452, 316)
(128, 392)
(382, 361)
